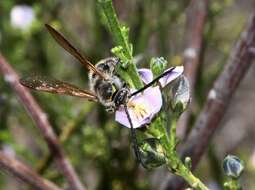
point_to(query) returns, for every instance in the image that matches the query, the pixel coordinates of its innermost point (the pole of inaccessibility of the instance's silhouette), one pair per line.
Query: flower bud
(188, 162)
(233, 166)
(158, 65)
(180, 94)
(151, 153)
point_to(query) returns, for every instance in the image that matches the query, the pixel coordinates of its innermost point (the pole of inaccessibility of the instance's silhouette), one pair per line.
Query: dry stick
(218, 100)
(196, 18)
(26, 174)
(42, 123)
(65, 134)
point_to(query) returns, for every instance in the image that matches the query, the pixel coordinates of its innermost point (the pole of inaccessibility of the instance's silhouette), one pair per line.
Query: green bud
(158, 65)
(233, 166)
(151, 153)
(180, 94)
(125, 31)
(119, 52)
(188, 162)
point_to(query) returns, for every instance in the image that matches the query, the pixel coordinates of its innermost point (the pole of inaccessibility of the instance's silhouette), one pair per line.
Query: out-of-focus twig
(196, 18)
(218, 99)
(23, 172)
(65, 134)
(42, 123)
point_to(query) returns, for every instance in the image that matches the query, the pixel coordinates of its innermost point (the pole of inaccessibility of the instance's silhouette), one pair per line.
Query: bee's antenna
(133, 137)
(152, 82)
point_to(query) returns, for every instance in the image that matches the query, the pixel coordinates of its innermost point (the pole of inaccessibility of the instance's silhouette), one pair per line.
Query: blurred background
(98, 147)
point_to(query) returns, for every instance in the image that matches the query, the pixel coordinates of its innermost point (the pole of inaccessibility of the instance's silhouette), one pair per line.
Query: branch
(218, 99)
(65, 135)
(23, 172)
(42, 123)
(196, 18)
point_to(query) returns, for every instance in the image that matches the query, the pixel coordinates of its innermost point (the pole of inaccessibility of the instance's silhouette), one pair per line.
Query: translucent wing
(50, 85)
(72, 50)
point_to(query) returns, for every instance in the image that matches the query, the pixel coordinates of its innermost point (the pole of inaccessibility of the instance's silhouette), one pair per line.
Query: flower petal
(176, 72)
(146, 75)
(22, 16)
(150, 100)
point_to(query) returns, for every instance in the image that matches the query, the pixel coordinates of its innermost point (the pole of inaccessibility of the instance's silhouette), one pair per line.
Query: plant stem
(129, 73)
(184, 172)
(115, 27)
(172, 138)
(65, 135)
(232, 184)
(196, 20)
(26, 174)
(240, 60)
(174, 162)
(42, 123)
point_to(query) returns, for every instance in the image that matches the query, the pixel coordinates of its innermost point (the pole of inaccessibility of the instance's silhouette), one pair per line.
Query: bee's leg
(110, 107)
(133, 138)
(152, 82)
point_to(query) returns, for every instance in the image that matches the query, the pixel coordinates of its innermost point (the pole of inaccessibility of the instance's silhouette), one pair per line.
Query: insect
(106, 86)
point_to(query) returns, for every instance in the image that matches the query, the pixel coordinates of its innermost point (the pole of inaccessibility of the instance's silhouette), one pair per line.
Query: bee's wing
(50, 85)
(62, 41)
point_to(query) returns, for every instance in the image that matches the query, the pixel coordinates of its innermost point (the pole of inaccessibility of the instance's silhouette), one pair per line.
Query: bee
(106, 86)
(111, 91)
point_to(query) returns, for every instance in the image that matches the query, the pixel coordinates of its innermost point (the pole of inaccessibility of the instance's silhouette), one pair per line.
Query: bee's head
(107, 65)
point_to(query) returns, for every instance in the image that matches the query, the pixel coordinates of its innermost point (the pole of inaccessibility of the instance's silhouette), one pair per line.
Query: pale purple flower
(146, 75)
(176, 72)
(145, 105)
(141, 108)
(22, 16)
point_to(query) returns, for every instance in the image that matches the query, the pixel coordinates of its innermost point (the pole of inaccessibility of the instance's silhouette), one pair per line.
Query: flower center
(140, 110)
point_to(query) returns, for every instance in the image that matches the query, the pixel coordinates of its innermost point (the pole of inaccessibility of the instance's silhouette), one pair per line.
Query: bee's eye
(104, 67)
(94, 75)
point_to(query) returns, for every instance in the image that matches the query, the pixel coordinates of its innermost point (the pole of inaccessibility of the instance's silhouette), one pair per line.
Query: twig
(196, 18)
(23, 172)
(65, 135)
(42, 123)
(218, 99)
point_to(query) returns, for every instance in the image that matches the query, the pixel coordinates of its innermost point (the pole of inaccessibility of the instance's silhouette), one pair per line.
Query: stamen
(140, 110)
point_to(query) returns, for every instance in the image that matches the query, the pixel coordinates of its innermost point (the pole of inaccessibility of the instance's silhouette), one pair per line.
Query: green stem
(115, 26)
(172, 135)
(232, 184)
(184, 172)
(174, 162)
(129, 73)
